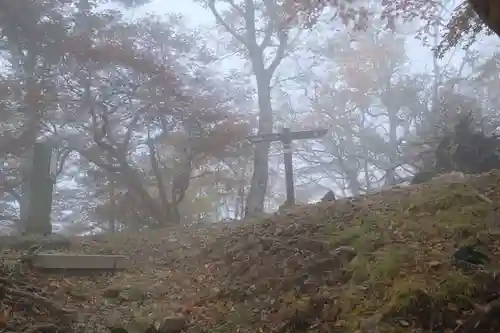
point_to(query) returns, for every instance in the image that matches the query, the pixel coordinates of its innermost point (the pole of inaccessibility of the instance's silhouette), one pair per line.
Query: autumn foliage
(468, 19)
(119, 95)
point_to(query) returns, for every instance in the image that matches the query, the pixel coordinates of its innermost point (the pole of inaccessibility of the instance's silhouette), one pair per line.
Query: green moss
(455, 285)
(416, 271)
(405, 294)
(359, 268)
(364, 234)
(388, 265)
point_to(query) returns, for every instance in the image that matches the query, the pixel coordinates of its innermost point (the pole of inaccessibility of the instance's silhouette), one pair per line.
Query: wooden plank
(72, 261)
(264, 137)
(312, 134)
(298, 135)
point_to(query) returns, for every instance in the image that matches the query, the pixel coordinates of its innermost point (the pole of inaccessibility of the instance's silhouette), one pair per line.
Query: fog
(150, 106)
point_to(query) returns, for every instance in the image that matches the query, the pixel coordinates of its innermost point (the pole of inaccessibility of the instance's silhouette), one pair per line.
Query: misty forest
(289, 166)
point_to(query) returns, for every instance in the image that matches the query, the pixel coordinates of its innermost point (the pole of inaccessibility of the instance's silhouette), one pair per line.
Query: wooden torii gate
(286, 137)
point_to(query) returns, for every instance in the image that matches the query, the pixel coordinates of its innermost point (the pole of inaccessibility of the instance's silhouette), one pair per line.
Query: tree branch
(181, 182)
(235, 7)
(14, 194)
(8, 218)
(62, 157)
(249, 18)
(128, 135)
(280, 52)
(271, 24)
(160, 184)
(10, 189)
(221, 21)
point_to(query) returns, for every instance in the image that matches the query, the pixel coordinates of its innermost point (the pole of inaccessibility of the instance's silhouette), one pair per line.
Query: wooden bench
(76, 261)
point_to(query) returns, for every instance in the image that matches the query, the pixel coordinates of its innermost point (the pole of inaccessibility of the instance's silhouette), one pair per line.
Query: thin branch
(8, 218)
(235, 7)
(271, 24)
(62, 158)
(280, 52)
(221, 21)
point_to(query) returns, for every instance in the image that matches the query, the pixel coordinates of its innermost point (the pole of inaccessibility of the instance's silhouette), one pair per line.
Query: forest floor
(377, 263)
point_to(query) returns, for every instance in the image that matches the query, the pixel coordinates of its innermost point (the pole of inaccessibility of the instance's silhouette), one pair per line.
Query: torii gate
(286, 137)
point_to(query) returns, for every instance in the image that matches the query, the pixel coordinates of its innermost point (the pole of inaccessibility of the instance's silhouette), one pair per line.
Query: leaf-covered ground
(379, 263)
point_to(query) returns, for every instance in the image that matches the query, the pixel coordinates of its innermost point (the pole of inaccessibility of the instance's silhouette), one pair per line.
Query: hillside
(378, 263)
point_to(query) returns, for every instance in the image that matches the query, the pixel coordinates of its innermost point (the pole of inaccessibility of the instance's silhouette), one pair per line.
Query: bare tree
(263, 29)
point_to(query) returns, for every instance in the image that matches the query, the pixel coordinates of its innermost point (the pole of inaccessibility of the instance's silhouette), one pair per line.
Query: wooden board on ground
(74, 261)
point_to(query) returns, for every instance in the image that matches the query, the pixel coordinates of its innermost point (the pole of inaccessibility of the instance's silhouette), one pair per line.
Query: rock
(472, 255)
(165, 325)
(344, 253)
(134, 294)
(171, 325)
(329, 196)
(434, 264)
(125, 293)
(426, 176)
(284, 207)
(113, 321)
(140, 323)
(404, 323)
(422, 177)
(112, 292)
(450, 177)
(216, 291)
(370, 325)
(340, 257)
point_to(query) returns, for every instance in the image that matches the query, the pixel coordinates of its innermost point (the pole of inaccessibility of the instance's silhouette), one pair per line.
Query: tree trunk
(129, 176)
(173, 214)
(160, 184)
(258, 186)
(24, 203)
(248, 9)
(436, 70)
(28, 137)
(142, 195)
(240, 202)
(391, 175)
(352, 180)
(112, 212)
(41, 188)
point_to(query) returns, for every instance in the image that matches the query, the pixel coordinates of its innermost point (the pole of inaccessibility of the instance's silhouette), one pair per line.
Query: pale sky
(194, 13)
(196, 16)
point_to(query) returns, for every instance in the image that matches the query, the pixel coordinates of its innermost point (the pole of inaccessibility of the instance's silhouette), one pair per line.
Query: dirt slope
(375, 263)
